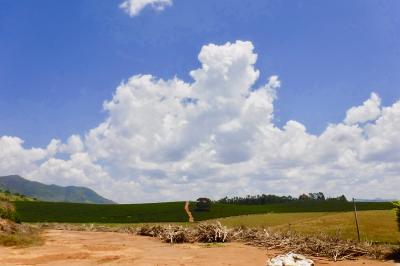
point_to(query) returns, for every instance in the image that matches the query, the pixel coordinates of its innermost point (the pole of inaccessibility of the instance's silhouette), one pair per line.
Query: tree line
(267, 199)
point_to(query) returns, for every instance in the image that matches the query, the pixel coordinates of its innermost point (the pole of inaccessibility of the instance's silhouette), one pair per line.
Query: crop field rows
(169, 211)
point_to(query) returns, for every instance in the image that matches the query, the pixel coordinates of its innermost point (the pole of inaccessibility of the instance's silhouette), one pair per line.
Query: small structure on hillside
(203, 204)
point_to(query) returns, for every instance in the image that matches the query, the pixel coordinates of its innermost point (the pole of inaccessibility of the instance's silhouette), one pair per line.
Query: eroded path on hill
(188, 212)
(71, 248)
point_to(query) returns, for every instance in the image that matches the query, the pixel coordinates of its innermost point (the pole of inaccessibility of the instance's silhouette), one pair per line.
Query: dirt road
(99, 248)
(188, 212)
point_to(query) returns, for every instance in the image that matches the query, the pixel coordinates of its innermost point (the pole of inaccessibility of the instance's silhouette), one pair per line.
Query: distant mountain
(17, 184)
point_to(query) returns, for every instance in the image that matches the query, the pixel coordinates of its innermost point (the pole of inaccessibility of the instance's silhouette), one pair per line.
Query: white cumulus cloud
(14, 158)
(370, 110)
(215, 136)
(134, 7)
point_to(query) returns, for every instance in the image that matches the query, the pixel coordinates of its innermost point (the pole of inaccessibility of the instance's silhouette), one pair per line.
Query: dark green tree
(304, 197)
(203, 204)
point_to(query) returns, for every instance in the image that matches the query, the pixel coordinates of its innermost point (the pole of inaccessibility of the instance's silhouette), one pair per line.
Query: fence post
(356, 218)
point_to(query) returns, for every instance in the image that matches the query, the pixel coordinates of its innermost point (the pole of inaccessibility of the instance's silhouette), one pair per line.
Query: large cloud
(215, 136)
(134, 7)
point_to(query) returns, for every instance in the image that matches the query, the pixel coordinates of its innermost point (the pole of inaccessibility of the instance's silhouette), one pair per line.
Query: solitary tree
(203, 204)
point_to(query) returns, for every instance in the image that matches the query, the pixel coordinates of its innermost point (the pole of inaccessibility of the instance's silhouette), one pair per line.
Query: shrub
(7, 211)
(397, 206)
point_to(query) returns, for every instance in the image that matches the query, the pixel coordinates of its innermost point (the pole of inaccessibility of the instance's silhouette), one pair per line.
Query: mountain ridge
(44, 192)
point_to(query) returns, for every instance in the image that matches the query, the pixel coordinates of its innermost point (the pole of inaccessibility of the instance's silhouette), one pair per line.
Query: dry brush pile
(203, 233)
(320, 245)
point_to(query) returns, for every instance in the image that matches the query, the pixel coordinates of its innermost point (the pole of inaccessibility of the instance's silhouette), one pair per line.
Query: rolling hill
(17, 184)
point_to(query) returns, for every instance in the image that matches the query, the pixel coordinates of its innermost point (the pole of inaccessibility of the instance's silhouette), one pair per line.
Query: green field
(226, 210)
(377, 220)
(168, 211)
(100, 213)
(376, 226)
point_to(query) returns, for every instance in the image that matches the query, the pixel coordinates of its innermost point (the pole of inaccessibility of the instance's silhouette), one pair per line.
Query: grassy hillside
(9, 196)
(225, 210)
(167, 212)
(378, 225)
(17, 184)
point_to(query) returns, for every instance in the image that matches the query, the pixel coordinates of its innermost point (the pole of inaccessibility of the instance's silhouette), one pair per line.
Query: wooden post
(355, 216)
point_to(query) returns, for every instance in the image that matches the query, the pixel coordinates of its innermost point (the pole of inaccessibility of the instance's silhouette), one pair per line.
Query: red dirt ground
(105, 248)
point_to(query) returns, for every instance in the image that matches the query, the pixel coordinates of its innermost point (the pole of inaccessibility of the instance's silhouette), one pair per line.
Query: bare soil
(188, 212)
(106, 248)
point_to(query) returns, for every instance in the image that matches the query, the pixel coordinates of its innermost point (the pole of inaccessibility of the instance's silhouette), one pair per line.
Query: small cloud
(134, 7)
(368, 111)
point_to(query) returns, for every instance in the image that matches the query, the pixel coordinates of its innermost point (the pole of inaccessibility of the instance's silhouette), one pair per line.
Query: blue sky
(286, 97)
(61, 59)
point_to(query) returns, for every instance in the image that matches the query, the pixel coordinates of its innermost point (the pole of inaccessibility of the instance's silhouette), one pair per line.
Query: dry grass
(375, 226)
(13, 234)
(270, 220)
(20, 239)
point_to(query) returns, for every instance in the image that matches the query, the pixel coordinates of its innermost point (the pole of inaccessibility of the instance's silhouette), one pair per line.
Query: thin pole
(355, 216)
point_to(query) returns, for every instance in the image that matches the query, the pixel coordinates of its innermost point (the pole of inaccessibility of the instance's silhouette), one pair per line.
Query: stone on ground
(290, 259)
